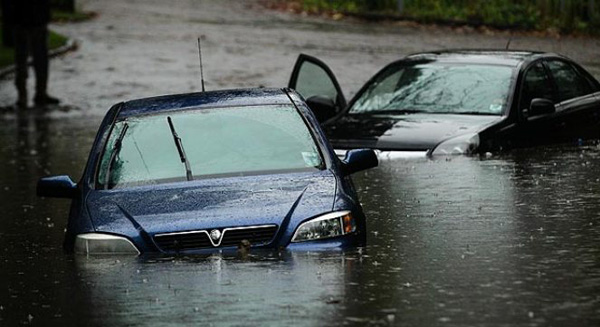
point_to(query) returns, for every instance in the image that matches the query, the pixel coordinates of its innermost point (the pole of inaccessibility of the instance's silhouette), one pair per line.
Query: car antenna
(200, 59)
(508, 43)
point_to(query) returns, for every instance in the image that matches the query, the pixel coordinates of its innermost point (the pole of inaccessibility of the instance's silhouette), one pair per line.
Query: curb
(71, 45)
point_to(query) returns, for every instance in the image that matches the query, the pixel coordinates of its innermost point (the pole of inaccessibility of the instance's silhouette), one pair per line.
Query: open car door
(313, 79)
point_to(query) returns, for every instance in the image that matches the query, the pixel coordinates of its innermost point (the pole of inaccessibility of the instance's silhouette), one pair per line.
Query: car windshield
(437, 88)
(175, 146)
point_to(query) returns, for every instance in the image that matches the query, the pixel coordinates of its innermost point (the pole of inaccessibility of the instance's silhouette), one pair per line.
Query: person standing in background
(29, 20)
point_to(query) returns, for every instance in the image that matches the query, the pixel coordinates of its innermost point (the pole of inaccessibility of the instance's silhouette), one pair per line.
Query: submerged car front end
(297, 210)
(410, 135)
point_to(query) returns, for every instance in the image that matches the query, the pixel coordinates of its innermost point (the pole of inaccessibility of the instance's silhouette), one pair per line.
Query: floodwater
(504, 240)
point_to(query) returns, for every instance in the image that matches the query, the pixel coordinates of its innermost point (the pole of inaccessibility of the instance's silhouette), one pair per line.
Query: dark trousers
(31, 40)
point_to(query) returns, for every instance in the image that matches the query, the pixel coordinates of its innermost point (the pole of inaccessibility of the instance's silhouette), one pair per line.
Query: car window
(438, 88)
(220, 141)
(568, 81)
(313, 80)
(536, 84)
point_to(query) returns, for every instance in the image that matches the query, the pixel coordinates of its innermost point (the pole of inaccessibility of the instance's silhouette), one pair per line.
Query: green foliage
(56, 40)
(564, 15)
(68, 16)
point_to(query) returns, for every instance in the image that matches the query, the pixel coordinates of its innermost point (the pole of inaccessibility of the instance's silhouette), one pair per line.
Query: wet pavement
(506, 240)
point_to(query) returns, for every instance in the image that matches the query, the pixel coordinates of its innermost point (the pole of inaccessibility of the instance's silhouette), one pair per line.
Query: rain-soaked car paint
(183, 216)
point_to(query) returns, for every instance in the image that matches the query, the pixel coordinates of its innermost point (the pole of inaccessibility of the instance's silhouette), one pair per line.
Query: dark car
(210, 171)
(460, 101)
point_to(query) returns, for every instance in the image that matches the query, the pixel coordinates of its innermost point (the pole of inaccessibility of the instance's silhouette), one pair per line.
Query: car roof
(494, 57)
(199, 100)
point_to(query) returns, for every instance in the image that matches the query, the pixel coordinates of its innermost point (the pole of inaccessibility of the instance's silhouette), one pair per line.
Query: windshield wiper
(179, 145)
(392, 112)
(116, 149)
(478, 113)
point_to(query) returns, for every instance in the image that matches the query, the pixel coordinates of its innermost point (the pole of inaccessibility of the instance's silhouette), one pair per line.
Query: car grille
(256, 235)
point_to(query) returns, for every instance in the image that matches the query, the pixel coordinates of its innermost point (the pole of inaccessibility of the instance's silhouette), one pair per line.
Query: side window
(592, 82)
(568, 81)
(536, 84)
(316, 83)
(313, 80)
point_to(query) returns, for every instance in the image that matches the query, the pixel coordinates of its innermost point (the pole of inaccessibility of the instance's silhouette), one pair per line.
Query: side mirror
(541, 107)
(56, 187)
(360, 159)
(323, 107)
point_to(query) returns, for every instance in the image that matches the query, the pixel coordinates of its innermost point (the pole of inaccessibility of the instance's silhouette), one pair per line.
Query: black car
(457, 102)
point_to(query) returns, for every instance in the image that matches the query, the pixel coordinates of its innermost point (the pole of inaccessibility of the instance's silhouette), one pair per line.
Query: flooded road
(508, 240)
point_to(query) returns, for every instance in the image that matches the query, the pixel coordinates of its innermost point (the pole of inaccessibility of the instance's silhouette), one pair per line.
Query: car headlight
(94, 243)
(329, 225)
(463, 144)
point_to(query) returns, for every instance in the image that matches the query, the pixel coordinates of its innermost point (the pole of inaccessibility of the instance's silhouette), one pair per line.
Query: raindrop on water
(390, 319)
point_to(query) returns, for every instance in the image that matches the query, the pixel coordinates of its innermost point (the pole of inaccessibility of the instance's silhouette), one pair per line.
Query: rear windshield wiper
(179, 145)
(115, 150)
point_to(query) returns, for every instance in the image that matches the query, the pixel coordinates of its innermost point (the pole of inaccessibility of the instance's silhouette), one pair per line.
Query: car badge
(215, 235)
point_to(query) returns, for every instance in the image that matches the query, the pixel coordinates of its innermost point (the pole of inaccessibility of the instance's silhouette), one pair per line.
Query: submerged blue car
(200, 172)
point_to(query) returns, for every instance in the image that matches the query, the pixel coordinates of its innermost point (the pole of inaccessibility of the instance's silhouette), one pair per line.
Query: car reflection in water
(258, 290)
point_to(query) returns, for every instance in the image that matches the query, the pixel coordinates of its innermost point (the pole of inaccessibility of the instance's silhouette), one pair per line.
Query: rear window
(570, 84)
(216, 142)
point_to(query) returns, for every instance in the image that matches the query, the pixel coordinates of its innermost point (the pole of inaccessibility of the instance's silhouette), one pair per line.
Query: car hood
(402, 132)
(212, 203)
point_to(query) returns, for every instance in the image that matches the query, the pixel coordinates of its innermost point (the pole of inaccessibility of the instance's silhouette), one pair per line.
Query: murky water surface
(500, 241)
(506, 240)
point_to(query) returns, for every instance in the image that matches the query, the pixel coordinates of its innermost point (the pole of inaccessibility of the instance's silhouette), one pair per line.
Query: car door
(578, 108)
(535, 127)
(315, 81)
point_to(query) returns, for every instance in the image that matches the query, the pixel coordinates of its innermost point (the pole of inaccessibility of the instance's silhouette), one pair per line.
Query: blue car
(203, 172)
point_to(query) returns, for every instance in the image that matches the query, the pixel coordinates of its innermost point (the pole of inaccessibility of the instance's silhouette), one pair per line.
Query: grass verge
(55, 40)
(7, 55)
